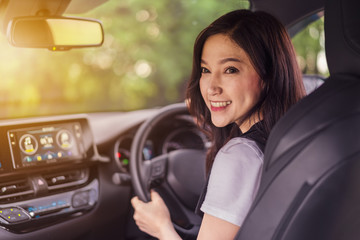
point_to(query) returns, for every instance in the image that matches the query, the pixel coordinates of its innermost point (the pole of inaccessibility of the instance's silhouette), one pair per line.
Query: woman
(245, 77)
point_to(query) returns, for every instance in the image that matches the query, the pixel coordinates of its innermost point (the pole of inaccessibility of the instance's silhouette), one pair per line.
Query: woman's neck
(248, 123)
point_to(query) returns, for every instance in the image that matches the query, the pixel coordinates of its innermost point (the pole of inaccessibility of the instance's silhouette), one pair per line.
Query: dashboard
(64, 171)
(36, 183)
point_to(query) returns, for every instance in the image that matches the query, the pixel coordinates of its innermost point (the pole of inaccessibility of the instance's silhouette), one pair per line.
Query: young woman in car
(244, 78)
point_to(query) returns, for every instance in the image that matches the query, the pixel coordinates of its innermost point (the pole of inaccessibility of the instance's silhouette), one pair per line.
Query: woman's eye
(231, 70)
(204, 70)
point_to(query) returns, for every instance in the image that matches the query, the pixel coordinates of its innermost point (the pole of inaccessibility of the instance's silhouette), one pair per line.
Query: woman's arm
(154, 219)
(216, 228)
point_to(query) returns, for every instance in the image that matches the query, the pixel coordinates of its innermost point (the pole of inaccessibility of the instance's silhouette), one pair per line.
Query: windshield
(145, 61)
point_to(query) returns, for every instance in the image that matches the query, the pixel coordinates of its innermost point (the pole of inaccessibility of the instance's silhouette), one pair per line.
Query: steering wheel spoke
(155, 170)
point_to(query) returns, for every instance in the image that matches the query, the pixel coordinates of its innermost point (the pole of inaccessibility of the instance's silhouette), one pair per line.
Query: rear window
(309, 44)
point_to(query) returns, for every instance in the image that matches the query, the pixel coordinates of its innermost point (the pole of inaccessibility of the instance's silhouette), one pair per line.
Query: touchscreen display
(48, 144)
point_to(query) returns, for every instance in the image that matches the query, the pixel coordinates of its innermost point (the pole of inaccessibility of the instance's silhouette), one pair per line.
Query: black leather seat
(311, 183)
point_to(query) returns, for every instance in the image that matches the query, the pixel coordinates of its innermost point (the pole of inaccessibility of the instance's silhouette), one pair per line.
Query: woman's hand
(154, 217)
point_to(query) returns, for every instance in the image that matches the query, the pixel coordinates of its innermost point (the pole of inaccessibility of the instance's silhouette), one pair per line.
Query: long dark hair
(269, 48)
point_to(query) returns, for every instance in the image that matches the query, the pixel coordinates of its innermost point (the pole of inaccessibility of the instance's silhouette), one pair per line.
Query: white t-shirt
(234, 180)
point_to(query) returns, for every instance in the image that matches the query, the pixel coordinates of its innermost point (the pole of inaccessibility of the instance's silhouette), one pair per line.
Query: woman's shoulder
(234, 180)
(242, 146)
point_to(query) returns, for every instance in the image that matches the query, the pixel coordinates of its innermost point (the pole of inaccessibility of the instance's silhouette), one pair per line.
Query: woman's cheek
(203, 87)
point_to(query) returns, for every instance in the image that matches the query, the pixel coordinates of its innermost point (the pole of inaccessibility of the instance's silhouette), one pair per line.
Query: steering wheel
(181, 173)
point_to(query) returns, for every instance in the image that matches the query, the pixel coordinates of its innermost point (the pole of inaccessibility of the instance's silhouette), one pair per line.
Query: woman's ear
(187, 102)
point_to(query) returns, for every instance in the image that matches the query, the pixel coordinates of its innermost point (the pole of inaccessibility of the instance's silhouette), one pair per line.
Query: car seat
(311, 182)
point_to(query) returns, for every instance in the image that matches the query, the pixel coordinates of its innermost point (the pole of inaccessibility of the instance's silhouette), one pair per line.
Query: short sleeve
(234, 181)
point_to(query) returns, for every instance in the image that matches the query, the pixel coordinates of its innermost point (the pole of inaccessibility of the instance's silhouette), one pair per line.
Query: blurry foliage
(310, 48)
(144, 62)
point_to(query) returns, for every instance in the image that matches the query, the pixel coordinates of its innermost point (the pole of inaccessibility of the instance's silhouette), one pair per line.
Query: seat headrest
(342, 36)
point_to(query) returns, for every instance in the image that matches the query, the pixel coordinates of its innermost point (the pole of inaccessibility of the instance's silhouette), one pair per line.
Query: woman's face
(229, 84)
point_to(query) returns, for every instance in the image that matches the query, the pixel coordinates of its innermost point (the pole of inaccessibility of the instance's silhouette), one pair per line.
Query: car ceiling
(295, 9)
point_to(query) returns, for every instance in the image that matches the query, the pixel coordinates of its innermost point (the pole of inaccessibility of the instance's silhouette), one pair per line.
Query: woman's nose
(214, 87)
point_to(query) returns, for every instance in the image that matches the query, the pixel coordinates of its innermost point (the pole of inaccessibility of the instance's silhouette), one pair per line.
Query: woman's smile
(219, 105)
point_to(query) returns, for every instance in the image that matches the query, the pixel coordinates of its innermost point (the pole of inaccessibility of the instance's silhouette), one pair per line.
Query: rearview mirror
(55, 33)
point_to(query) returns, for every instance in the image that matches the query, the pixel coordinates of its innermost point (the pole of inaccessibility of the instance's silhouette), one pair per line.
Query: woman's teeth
(220, 104)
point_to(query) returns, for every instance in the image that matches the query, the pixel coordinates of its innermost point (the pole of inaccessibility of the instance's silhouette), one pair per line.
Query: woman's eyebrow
(225, 60)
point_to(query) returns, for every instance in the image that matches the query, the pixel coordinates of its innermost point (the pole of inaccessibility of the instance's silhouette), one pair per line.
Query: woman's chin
(220, 124)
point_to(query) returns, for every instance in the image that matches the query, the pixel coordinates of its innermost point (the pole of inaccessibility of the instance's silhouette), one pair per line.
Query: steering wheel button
(157, 170)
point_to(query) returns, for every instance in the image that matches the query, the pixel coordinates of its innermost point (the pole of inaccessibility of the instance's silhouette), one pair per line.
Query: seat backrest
(310, 186)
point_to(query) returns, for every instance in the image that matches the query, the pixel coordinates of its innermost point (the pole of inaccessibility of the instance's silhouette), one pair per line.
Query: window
(309, 44)
(144, 62)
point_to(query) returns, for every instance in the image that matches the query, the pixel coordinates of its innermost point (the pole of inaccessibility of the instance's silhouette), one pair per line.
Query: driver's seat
(311, 183)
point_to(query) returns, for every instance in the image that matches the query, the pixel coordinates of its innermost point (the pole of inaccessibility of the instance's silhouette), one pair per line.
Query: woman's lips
(219, 105)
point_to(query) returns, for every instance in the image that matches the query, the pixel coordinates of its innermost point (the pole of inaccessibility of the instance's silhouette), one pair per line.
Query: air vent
(15, 190)
(66, 179)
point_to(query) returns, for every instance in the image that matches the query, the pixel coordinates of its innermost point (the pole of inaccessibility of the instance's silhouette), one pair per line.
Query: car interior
(71, 176)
